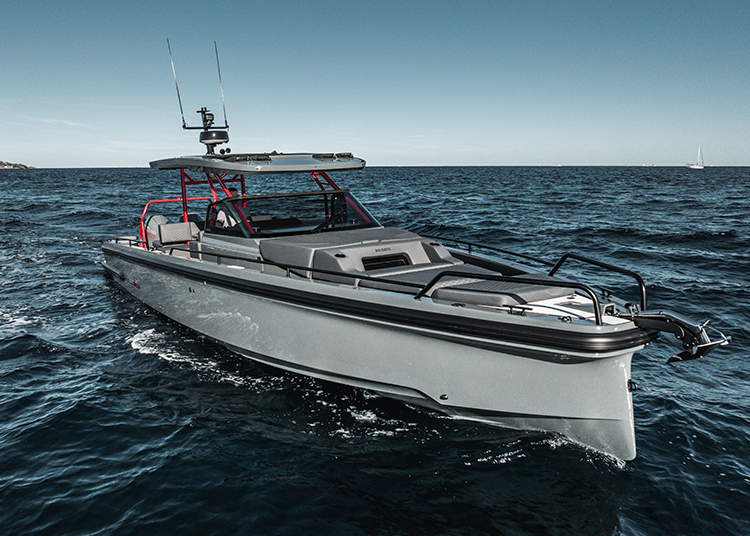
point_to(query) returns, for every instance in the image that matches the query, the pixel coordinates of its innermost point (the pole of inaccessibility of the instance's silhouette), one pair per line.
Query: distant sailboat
(699, 164)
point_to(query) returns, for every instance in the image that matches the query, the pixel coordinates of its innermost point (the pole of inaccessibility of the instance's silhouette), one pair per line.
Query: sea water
(115, 420)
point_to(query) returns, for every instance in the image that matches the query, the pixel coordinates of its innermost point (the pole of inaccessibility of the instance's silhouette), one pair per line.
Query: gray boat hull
(285, 322)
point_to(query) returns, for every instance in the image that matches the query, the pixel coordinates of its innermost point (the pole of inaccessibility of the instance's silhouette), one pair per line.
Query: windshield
(284, 214)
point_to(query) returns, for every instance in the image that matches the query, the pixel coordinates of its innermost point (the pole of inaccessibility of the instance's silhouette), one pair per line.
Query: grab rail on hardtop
(623, 271)
(514, 279)
(423, 289)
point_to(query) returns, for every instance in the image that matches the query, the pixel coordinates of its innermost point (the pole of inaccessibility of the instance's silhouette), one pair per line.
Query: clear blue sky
(89, 83)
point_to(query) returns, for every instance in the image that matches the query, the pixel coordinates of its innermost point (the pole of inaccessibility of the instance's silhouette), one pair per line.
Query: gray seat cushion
(499, 293)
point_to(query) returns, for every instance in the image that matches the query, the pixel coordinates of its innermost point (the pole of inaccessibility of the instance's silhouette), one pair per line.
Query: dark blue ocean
(115, 420)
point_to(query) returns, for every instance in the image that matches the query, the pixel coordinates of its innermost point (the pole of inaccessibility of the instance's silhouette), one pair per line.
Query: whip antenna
(184, 125)
(221, 87)
(211, 135)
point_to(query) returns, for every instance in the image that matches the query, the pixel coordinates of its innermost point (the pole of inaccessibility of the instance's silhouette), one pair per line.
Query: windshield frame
(339, 210)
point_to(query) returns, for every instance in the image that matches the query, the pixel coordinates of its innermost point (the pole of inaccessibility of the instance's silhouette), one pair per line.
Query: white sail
(699, 163)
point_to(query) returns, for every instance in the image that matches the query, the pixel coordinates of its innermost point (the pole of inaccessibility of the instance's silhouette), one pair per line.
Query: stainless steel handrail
(638, 278)
(491, 248)
(556, 266)
(424, 289)
(290, 268)
(515, 279)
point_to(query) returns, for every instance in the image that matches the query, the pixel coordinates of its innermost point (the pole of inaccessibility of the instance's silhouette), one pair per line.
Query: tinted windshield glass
(283, 214)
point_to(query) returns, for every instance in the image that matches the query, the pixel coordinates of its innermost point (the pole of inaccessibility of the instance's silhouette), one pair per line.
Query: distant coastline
(8, 165)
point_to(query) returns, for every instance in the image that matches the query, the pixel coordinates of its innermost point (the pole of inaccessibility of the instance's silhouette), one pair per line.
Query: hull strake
(586, 399)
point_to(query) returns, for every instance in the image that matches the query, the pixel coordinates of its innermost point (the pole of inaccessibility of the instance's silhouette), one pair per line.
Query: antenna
(211, 135)
(184, 125)
(221, 87)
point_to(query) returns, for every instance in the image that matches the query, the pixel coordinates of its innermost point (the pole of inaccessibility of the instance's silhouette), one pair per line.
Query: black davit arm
(694, 337)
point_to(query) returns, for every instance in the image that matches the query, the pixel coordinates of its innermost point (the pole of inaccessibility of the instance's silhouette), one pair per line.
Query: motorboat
(309, 281)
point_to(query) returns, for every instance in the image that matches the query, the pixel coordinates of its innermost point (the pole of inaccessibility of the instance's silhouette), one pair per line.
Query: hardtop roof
(262, 163)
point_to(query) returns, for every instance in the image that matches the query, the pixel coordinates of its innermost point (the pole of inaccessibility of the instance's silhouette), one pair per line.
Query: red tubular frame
(185, 181)
(327, 179)
(218, 182)
(142, 231)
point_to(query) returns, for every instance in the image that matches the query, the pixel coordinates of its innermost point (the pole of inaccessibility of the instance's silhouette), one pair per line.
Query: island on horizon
(8, 165)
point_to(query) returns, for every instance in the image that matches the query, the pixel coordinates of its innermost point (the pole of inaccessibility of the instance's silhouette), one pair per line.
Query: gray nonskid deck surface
(342, 252)
(300, 250)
